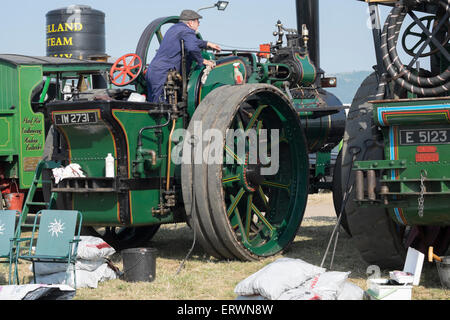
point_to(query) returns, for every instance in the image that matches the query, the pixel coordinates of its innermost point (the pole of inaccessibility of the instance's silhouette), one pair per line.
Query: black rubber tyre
(375, 235)
(338, 193)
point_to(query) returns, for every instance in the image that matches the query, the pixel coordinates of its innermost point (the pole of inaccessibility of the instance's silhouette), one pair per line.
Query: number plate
(75, 118)
(424, 136)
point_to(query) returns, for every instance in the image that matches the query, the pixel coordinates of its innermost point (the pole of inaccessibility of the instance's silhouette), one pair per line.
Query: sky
(345, 40)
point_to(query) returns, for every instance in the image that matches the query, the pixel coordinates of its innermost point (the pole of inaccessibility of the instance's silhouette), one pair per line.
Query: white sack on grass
(277, 277)
(91, 265)
(351, 291)
(299, 293)
(328, 285)
(44, 268)
(256, 297)
(93, 248)
(84, 278)
(324, 286)
(36, 291)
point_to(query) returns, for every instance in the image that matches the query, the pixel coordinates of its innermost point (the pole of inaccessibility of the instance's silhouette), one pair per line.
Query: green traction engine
(396, 149)
(194, 158)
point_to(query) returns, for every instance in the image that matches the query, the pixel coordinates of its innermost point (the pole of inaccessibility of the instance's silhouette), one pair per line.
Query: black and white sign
(425, 136)
(75, 118)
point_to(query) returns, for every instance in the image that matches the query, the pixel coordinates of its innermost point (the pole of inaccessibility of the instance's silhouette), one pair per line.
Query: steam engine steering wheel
(430, 23)
(126, 69)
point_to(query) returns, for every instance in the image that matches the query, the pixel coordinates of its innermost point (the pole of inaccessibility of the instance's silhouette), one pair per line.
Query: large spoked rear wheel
(245, 183)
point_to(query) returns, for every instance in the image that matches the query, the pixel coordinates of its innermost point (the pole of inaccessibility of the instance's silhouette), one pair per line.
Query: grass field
(205, 278)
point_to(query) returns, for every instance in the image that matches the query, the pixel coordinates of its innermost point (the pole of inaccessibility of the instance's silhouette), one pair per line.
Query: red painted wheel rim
(126, 69)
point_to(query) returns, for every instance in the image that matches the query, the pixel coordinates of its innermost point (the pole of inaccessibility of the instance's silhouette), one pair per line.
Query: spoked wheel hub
(252, 178)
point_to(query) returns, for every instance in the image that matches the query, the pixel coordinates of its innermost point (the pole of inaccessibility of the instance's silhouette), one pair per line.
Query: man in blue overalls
(168, 55)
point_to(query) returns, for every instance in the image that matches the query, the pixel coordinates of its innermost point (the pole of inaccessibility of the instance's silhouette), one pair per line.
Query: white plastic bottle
(238, 78)
(109, 166)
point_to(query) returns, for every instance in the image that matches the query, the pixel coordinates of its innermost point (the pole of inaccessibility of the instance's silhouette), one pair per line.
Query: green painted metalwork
(412, 112)
(309, 71)
(90, 155)
(416, 172)
(143, 201)
(322, 163)
(379, 165)
(22, 127)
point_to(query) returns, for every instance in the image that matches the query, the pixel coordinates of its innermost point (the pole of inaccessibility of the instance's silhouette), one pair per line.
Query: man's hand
(209, 63)
(214, 46)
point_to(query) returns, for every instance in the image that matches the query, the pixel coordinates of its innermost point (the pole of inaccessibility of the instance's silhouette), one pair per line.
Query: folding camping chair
(7, 229)
(57, 240)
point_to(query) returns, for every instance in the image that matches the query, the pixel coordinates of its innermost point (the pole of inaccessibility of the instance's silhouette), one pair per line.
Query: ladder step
(37, 203)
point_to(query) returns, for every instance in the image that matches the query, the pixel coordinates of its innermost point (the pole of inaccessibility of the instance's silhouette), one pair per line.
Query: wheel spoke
(132, 60)
(119, 75)
(130, 73)
(240, 124)
(248, 215)
(236, 221)
(159, 35)
(417, 34)
(259, 127)
(277, 185)
(233, 155)
(429, 23)
(262, 218)
(263, 198)
(416, 45)
(235, 202)
(269, 146)
(255, 116)
(134, 67)
(230, 179)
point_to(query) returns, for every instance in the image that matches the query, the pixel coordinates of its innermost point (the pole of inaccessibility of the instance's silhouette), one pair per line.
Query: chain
(420, 200)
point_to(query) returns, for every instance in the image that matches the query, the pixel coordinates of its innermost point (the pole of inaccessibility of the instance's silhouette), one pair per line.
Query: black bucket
(139, 264)
(444, 271)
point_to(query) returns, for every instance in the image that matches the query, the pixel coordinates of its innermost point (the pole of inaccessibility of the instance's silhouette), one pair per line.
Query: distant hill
(347, 84)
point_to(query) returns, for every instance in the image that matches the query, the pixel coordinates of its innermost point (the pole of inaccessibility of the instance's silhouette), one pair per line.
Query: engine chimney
(308, 14)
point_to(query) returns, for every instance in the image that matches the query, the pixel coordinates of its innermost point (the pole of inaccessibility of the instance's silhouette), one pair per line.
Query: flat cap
(189, 15)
